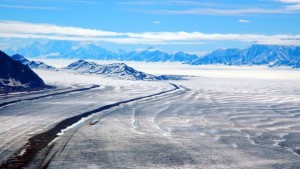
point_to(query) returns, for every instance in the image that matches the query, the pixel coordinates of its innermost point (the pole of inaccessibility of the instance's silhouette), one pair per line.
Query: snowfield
(221, 117)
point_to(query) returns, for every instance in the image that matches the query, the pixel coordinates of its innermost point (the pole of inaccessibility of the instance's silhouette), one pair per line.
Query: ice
(221, 117)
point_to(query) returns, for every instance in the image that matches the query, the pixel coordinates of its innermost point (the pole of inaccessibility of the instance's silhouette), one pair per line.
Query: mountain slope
(32, 64)
(14, 76)
(116, 70)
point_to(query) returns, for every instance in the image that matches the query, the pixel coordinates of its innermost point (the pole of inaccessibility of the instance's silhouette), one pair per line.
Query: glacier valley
(215, 117)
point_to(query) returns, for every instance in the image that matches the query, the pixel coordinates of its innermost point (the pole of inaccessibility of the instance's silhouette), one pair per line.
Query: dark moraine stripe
(42, 140)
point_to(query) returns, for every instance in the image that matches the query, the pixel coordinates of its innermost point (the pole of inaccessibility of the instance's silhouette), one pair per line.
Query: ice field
(219, 117)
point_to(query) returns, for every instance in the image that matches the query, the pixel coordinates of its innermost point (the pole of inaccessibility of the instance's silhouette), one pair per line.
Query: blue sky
(194, 26)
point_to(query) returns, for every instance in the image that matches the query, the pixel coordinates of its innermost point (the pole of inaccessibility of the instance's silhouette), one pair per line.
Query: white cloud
(293, 7)
(294, 4)
(244, 21)
(156, 22)
(288, 1)
(215, 11)
(166, 2)
(287, 7)
(30, 7)
(42, 29)
(86, 2)
(12, 29)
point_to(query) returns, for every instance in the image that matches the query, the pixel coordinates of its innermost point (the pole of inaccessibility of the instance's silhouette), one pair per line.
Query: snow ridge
(32, 64)
(116, 70)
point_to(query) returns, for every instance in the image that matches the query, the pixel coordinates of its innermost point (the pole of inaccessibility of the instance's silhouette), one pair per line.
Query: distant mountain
(116, 70)
(90, 52)
(148, 55)
(76, 50)
(297, 65)
(183, 57)
(14, 76)
(50, 49)
(32, 64)
(155, 55)
(220, 56)
(271, 55)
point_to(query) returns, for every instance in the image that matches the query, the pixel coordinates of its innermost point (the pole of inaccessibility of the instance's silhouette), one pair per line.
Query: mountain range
(76, 50)
(14, 76)
(270, 55)
(115, 70)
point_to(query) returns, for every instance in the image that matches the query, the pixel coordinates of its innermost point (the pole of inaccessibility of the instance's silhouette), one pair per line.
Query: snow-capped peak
(116, 70)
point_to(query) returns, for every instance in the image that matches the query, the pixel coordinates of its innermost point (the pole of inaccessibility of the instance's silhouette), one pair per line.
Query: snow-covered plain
(236, 117)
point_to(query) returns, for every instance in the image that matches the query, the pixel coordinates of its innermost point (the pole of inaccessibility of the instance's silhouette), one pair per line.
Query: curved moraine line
(48, 95)
(42, 140)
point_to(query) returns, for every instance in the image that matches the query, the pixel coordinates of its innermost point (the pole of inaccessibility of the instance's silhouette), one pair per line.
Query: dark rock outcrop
(14, 76)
